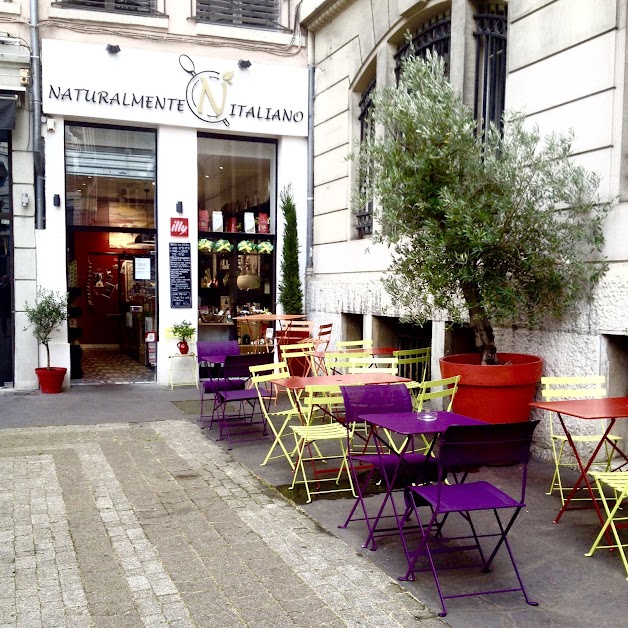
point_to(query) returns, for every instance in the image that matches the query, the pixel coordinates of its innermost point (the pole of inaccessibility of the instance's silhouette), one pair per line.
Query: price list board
(180, 275)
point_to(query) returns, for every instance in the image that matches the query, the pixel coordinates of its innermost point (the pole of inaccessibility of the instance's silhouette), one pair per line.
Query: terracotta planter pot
(51, 380)
(496, 394)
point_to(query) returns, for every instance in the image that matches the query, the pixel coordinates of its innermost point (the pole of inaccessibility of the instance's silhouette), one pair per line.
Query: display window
(236, 206)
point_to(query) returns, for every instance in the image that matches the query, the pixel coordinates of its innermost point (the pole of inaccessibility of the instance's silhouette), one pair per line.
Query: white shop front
(163, 172)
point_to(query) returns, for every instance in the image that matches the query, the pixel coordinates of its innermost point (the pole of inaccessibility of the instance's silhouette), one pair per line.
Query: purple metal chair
(236, 375)
(464, 447)
(395, 473)
(213, 354)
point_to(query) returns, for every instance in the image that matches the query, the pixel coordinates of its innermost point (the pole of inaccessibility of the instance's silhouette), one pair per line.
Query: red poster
(263, 223)
(179, 228)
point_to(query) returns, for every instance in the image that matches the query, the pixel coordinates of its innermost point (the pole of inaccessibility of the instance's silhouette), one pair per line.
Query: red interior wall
(102, 320)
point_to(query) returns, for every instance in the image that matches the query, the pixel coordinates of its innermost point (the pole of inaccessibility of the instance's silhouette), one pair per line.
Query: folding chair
(341, 362)
(350, 345)
(321, 342)
(211, 357)
(298, 357)
(618, 482)
(237, 369)
(375, 365)
(414, 363)
(322, 404)
(442, 389)
(379, 399)
(572, 388)
(262, 378)
(464, 447)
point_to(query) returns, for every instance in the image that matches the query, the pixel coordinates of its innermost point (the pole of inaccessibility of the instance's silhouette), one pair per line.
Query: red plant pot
(51, 380)
(496, 394)
(183, 347)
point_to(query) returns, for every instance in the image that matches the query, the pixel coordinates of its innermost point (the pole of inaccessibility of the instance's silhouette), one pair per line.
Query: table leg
(583, 473)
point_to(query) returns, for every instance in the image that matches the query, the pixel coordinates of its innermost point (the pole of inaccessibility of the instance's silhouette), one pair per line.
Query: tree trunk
(47, 356)
(482, 329)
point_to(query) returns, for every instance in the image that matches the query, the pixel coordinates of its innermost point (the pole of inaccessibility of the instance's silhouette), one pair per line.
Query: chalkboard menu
(180, 275)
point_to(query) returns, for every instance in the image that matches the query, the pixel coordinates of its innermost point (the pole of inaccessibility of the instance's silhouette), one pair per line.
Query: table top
(408, 422)
(270, 317)
(607, 408)
(299, 383)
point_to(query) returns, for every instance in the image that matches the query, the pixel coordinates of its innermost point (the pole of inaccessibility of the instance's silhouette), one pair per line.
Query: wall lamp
(243, 64)
(113, 49)
(179, 207)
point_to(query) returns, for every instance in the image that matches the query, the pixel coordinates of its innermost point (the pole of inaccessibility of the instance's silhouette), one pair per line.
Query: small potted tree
(494, 228)
(45, 316)
(184, 332)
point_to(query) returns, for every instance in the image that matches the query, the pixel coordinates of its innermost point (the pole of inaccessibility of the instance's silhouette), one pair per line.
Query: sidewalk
(147, 520)
(153, 524)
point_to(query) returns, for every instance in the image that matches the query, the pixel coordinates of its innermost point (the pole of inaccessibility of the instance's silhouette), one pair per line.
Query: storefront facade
(163, 176)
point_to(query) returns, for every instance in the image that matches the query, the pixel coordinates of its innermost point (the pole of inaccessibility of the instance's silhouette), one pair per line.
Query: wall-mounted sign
(179, 228)
(180, 275)
(173, 89)
(150, 336)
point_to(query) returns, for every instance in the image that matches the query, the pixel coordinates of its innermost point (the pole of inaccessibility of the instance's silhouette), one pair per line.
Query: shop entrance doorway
(112, 306)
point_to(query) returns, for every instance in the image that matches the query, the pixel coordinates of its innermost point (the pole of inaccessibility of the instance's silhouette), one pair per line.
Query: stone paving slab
(152, 524)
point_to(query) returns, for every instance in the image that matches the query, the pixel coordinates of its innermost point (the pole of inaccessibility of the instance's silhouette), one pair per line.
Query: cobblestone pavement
(152, 524)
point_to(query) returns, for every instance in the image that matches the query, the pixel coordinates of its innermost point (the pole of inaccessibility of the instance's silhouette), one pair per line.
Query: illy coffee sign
(179, 228)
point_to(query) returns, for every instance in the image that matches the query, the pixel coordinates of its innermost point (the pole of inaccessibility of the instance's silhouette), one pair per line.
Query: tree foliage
(501, 231)
(46, 315)
(290, 290)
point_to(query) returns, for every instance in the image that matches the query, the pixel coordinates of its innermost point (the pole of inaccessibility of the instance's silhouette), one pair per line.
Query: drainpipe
(38, 157)
(310, 155)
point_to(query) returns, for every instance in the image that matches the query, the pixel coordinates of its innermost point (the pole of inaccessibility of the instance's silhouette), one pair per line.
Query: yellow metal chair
(298, 357)
(618, 482)
(375, 365)
(344, 345)
(322, 405)
(414, 363)
(262, 377)
(341, 362)
(591, 387)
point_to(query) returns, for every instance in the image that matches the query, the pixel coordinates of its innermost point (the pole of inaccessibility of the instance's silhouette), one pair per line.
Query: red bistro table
(611, 408)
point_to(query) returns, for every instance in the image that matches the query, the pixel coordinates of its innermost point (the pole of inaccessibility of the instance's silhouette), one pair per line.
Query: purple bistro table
(409, 425)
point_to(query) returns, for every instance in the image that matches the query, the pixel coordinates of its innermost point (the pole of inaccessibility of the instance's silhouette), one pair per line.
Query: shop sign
(179, 228)
(176, 89)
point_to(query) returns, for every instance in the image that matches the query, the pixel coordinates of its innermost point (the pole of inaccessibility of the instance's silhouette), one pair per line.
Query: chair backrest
(492, 445)
(413, 363)
(297, 331)
(375, 365)
(322, 400)
(573, 387)
(321, 342)
(340, 362)
(263, 376)
(239, 365)
(216, 351)
(375, 399)
(298, 357)
(438, 389)
(354, 344)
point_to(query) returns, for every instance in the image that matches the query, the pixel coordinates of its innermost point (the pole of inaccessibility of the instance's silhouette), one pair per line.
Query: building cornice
(317, 13)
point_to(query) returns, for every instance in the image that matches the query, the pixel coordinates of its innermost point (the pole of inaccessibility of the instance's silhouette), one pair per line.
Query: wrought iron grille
(435, 35)
(145, 7)
(248, 13)
(364, 217)
(490, 65)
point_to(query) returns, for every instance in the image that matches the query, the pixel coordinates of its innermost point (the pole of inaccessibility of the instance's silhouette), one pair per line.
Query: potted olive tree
(184, 332)
(45, 316)
(494, 229)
